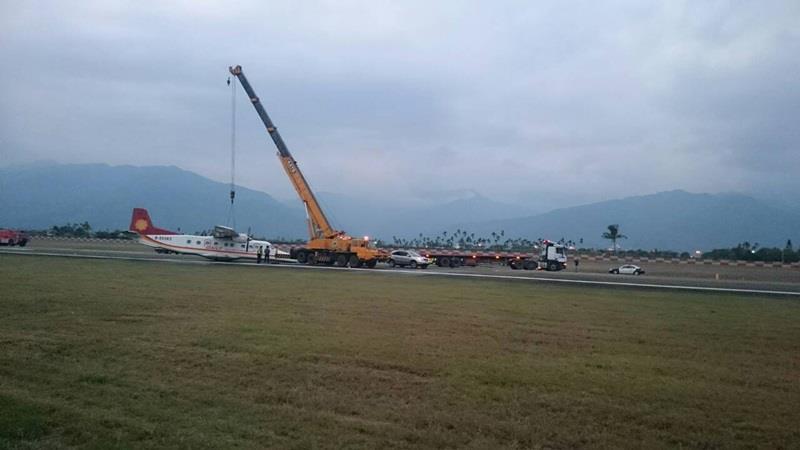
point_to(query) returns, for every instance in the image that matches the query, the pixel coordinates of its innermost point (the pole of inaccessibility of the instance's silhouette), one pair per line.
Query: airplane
(225, 244)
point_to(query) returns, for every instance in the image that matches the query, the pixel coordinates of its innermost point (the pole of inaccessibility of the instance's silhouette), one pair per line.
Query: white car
(627, 269)
(408, 258)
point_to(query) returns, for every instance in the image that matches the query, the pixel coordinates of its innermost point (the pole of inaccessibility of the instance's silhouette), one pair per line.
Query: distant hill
(39, 196)
(364, 217)
(674, 220)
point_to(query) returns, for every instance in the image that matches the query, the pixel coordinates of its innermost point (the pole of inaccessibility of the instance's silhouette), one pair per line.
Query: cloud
(521, 102)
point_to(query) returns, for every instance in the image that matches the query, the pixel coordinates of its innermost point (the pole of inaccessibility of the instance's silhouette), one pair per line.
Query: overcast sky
(538, 103)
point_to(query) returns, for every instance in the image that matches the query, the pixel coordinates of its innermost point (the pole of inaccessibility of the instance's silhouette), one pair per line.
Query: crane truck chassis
(325, 245)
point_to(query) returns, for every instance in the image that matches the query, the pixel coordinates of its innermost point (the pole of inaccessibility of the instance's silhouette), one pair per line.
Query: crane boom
(318, 225)
(325, 245)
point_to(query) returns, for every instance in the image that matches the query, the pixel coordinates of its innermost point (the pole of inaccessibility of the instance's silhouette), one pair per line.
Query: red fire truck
(11, 237)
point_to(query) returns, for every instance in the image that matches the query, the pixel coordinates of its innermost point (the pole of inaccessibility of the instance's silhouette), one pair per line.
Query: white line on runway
(123, 258)
(614, 283)
(423, 273)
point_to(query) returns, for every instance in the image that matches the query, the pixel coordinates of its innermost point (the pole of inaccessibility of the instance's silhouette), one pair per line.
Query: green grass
(106, 354)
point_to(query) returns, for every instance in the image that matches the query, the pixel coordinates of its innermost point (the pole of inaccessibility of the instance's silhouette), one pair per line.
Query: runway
(598, 279)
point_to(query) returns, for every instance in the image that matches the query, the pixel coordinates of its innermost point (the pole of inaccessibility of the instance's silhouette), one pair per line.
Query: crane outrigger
(326, 245)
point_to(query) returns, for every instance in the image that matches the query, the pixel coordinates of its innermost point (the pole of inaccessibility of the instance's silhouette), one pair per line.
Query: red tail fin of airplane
(141, 223)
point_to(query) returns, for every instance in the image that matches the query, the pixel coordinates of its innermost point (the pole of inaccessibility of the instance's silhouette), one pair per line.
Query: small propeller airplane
(225, 244)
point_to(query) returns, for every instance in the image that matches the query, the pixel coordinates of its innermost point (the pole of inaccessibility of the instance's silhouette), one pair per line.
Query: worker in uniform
(258, 256)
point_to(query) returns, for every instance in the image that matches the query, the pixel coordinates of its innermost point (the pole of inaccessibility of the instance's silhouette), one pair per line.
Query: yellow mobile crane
(325, 244)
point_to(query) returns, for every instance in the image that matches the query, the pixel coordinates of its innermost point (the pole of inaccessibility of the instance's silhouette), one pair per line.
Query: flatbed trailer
(456, 258)
(551, 257)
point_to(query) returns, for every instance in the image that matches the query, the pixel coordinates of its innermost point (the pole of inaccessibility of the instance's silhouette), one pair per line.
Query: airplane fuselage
(221, 249)
(224, 244)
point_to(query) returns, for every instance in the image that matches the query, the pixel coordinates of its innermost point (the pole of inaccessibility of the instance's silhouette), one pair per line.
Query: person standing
(267, 250)
(258, 256)
(577, 262)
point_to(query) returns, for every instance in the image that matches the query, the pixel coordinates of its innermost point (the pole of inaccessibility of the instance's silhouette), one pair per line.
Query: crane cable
(231, 211)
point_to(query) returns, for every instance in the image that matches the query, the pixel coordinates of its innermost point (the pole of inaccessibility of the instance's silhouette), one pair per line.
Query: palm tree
(613, 234)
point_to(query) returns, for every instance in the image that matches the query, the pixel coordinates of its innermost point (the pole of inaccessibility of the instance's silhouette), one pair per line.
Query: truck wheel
(355, 262)
(413, 264)
(444, 262)
(23, 243)
(513, 265)
(341, 260)
(552, 267)
(311, 259)
(392, 263)
(302, 257)
(529, 265)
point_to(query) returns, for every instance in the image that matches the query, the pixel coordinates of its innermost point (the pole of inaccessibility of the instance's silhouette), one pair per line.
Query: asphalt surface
(757, 280)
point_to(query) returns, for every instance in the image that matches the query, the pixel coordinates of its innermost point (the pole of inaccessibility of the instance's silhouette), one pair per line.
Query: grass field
(143, 354)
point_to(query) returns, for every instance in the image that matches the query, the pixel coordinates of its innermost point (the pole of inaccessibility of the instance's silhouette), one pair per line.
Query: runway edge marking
(612, 283)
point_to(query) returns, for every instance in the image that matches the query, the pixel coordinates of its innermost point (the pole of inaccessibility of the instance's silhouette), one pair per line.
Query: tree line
(746, 251)
(465, 240)
(497, 241)
(80, 230)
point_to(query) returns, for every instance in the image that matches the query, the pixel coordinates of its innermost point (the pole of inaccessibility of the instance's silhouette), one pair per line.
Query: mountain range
(40, 196)
(673, 220)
